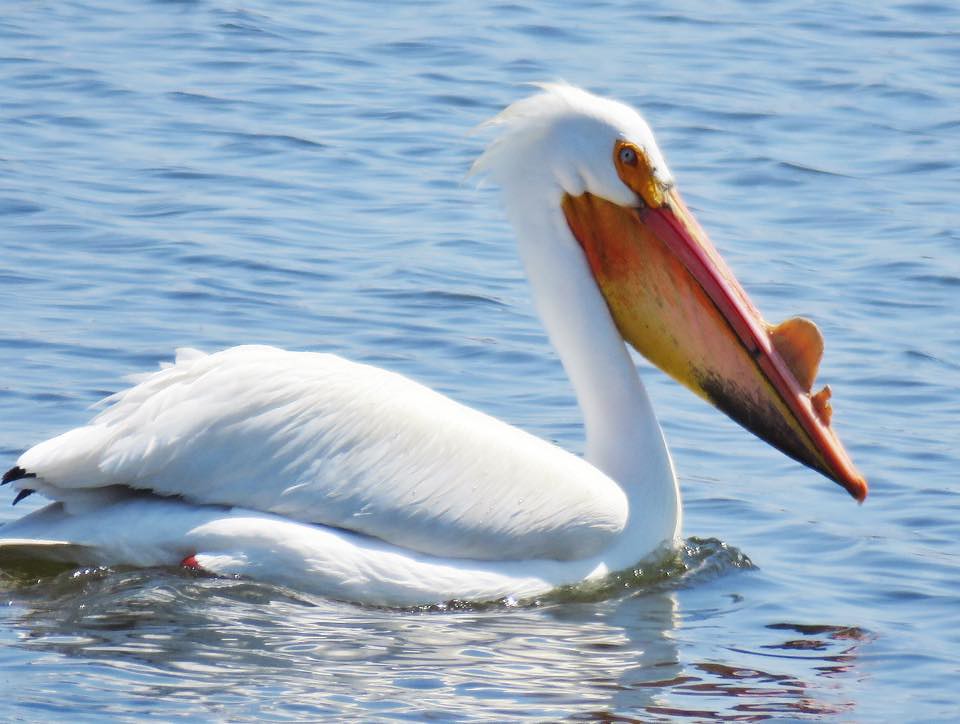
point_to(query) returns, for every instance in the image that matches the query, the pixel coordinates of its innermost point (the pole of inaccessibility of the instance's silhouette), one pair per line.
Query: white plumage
(318, 439)
(311, 471)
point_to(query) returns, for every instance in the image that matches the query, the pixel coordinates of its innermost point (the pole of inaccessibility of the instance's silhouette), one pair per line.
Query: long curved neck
(623, 437)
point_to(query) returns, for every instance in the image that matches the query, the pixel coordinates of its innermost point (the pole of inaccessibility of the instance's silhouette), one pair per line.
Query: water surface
(207, 174)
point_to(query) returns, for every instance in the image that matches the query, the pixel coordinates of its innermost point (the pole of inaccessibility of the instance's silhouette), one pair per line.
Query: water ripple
(181, 173)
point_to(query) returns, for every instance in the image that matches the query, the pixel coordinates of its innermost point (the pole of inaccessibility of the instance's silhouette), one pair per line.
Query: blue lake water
(211, 173)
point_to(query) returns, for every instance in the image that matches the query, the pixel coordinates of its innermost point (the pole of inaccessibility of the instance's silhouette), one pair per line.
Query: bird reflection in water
(621, 653)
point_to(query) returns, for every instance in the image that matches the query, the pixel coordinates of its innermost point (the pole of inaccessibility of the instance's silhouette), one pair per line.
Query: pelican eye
(636, 171)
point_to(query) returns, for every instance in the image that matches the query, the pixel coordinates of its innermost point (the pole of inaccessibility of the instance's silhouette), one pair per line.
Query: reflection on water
(763, 692)
(209, 174)
(187, 638)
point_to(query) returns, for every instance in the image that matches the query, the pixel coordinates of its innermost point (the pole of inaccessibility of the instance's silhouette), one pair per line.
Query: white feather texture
(561, 141)
(312, 471)
(319, 439)
(314, 559)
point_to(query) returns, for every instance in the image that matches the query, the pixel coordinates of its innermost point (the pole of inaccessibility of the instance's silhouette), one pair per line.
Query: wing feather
(319, 439)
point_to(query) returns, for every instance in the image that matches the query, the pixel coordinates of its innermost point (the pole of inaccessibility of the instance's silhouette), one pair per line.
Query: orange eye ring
(635, 170)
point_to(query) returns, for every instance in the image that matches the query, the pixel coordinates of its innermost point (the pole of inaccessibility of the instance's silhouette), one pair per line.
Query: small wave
(695, 562)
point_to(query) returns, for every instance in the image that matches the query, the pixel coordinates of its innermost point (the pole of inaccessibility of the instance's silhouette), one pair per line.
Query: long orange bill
(676, 301)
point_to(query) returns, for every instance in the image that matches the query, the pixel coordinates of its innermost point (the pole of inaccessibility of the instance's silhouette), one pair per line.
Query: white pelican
(311, 471)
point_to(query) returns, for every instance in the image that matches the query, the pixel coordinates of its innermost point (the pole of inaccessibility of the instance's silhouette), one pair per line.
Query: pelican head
(593, 167)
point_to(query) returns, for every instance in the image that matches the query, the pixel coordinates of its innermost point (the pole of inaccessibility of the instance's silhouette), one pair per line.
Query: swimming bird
(311, 471)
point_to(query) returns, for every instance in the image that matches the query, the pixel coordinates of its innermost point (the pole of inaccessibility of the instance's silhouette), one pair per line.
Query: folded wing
(318, 439)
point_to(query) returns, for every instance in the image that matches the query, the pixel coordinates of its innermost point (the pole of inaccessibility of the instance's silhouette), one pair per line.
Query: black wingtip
(16, 473)
(23, 494)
